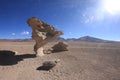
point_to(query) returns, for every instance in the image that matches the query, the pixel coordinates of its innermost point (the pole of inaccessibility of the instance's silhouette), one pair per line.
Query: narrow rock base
(40, 52)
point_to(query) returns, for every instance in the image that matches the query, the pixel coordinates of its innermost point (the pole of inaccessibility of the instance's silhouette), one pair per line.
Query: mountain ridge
(90, 39)
(84, 38)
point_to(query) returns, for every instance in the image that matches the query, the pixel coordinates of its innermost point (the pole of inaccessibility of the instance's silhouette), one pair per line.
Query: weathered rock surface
(42, 33)
(60, 46)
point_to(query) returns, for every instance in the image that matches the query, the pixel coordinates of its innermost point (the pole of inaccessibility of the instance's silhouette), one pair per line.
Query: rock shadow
(44, 68)
(8, 57)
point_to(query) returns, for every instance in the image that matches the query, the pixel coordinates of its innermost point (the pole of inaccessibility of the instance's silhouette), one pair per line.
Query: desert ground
(83, 61)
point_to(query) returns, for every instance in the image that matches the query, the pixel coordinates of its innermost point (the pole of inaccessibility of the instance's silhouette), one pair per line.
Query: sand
(83, 61)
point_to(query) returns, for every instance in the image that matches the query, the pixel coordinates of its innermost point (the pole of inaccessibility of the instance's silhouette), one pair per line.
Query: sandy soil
(83, 61)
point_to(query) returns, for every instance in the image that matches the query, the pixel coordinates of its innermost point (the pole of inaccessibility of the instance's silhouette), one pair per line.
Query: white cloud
(87, 21)
(13, 34)
(25, 33)
(70, 33)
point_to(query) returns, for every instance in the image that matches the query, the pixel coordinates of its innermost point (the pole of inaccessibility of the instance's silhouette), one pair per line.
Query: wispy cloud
(25, 33)
(12, 34)
(70, 33)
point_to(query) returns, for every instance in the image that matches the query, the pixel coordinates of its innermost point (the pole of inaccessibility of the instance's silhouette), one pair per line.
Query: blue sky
(77, 18)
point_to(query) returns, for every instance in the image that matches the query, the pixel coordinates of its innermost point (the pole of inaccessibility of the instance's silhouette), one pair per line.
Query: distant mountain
(89, 39)
(60, 39)
(84, 38)
(17, 40)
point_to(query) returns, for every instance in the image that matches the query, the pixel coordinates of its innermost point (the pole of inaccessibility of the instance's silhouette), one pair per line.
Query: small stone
(48, 51)
(47, 65)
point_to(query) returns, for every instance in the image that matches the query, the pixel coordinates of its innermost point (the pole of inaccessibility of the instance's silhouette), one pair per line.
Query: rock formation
(61, 46)
(42, 33)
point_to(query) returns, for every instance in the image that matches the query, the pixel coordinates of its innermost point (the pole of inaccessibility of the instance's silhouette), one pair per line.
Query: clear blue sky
(97, 18)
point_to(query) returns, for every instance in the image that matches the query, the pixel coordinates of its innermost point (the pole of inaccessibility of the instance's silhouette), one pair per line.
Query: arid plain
(83, 61)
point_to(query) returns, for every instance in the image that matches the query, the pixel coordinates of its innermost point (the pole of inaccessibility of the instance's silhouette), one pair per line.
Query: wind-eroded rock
(42, 33)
